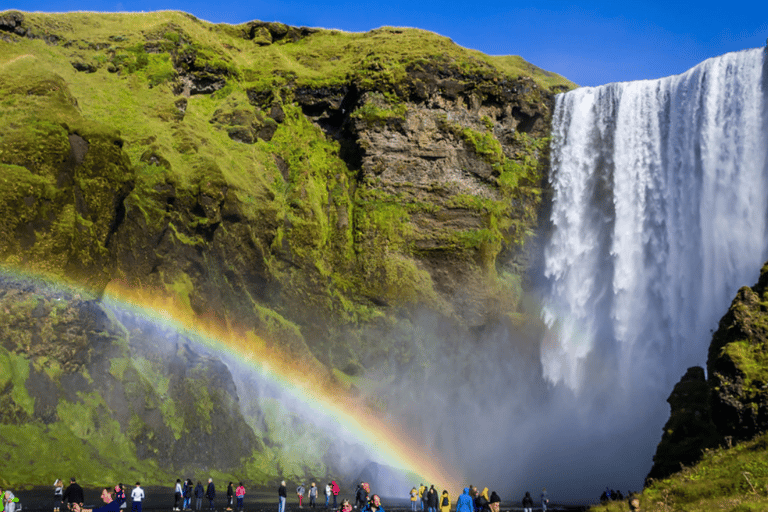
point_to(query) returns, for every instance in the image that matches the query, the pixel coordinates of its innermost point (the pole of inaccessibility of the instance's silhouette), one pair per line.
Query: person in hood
(445, 502)
(527, 502)
(335, 490)
(414, 498)
(432, 500)
(495, 502)
(481, 502)
(465, 502)
(240, 494)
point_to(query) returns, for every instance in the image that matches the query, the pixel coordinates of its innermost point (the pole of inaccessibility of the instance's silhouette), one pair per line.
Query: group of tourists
(185, 491)
(471, 500)
(114, 499)
(331, 489)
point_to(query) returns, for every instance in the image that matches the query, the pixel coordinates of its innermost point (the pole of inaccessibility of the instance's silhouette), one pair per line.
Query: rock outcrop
(732, 404)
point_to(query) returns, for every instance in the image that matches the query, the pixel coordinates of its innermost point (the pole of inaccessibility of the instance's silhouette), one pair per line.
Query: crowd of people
(423, 498)
(471, 500)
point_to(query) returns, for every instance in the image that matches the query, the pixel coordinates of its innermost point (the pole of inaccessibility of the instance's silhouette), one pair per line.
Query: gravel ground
(41, 500)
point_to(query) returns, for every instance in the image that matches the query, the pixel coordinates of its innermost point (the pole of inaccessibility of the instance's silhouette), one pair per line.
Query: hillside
(312, 190)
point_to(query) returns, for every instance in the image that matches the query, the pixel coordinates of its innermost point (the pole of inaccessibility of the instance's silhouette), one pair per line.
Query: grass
(732, 480)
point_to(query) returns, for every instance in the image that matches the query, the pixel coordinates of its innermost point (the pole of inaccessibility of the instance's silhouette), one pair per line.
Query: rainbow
(386, 442)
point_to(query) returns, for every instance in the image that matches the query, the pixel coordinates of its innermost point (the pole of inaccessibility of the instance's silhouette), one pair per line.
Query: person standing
(495, 502)
(120, 495)
(199, 493)
(58, 492)
(230, 495)
(187, 493)
(73, 493)
(327, 495)
(335, 490)
(177, 495)
(527, 502)
(282, 494)
(445, 502)
(312, 495)
(544, 500)
(414, 498)
(432, 499)
(240, 494)
(300, 493)
(465, 502)
(137, 497)
(210, 493)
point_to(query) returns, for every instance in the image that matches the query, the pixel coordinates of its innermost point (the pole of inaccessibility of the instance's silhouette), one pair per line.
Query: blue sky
(591, 43)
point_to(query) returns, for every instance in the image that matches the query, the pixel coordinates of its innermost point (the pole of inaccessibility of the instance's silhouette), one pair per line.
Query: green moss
(751, 359)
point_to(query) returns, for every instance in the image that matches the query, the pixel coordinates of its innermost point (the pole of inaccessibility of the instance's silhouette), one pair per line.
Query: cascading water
(658, 217)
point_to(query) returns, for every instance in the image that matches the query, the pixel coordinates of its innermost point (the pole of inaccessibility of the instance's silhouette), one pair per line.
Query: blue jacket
(465, 503)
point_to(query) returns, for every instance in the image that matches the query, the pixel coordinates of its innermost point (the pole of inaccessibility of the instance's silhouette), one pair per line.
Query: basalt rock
(732, 405)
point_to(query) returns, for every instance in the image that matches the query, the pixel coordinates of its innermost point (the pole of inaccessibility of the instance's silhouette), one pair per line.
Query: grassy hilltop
(317, 192)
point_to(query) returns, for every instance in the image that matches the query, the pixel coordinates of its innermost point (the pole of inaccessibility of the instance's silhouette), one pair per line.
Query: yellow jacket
(445, 508)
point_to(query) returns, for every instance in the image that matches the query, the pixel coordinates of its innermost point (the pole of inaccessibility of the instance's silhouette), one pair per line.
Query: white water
(658, 217)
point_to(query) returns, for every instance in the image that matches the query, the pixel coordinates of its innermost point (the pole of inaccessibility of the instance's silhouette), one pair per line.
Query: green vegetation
(733, 480)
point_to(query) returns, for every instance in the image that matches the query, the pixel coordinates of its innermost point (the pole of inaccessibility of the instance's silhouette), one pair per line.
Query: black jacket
(281, 491)
(73, 494)
(210, 493)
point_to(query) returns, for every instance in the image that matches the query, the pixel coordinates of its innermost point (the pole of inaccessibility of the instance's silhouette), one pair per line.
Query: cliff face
(732, 404)
(308, 188)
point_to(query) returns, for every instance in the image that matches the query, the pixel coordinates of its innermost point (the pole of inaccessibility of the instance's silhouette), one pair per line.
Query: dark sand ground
(161, 499)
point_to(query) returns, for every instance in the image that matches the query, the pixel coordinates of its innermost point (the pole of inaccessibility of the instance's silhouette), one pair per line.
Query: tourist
(346, 506)
(210, 493)
(281, 496)
(73, 493)
(335, 490)
(240, 494)
(110, 504)
(199, 493)
(230, 495)
(425, 498)
(414, 498)
(312, 495)
(374, 505)
(327, 494)
(432, 499)
(544, 500)
(445, 502)
(465, 502)
(120, 496)
(58, 492)
(177, 495)
(300, 493)
(137, 496)
(9, 501)
(481, 502)
(187, 493)
(527, 502)
(495, 502)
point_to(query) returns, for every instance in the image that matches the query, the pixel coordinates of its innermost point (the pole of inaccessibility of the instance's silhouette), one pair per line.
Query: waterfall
(660, 202)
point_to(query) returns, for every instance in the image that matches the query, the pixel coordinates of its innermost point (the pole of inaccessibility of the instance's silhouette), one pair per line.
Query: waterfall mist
(658, 217)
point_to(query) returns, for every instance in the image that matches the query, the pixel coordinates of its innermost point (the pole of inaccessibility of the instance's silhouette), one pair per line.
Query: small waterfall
(659, 216)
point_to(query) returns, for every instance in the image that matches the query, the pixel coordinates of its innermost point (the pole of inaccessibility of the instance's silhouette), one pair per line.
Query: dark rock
(690, 428)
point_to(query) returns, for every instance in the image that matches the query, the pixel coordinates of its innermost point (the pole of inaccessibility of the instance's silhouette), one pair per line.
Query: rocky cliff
(731, 405)
(310, 188)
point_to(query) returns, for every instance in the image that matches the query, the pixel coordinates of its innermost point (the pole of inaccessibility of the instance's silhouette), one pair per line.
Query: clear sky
(591, 43)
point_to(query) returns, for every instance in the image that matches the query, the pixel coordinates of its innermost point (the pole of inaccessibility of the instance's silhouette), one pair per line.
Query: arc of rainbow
(385, 441)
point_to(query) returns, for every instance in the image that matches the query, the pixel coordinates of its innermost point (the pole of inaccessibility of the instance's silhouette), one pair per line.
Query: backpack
(445, 501)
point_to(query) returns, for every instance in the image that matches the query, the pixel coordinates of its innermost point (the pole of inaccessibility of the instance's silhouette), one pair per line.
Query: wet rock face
(174, 404)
